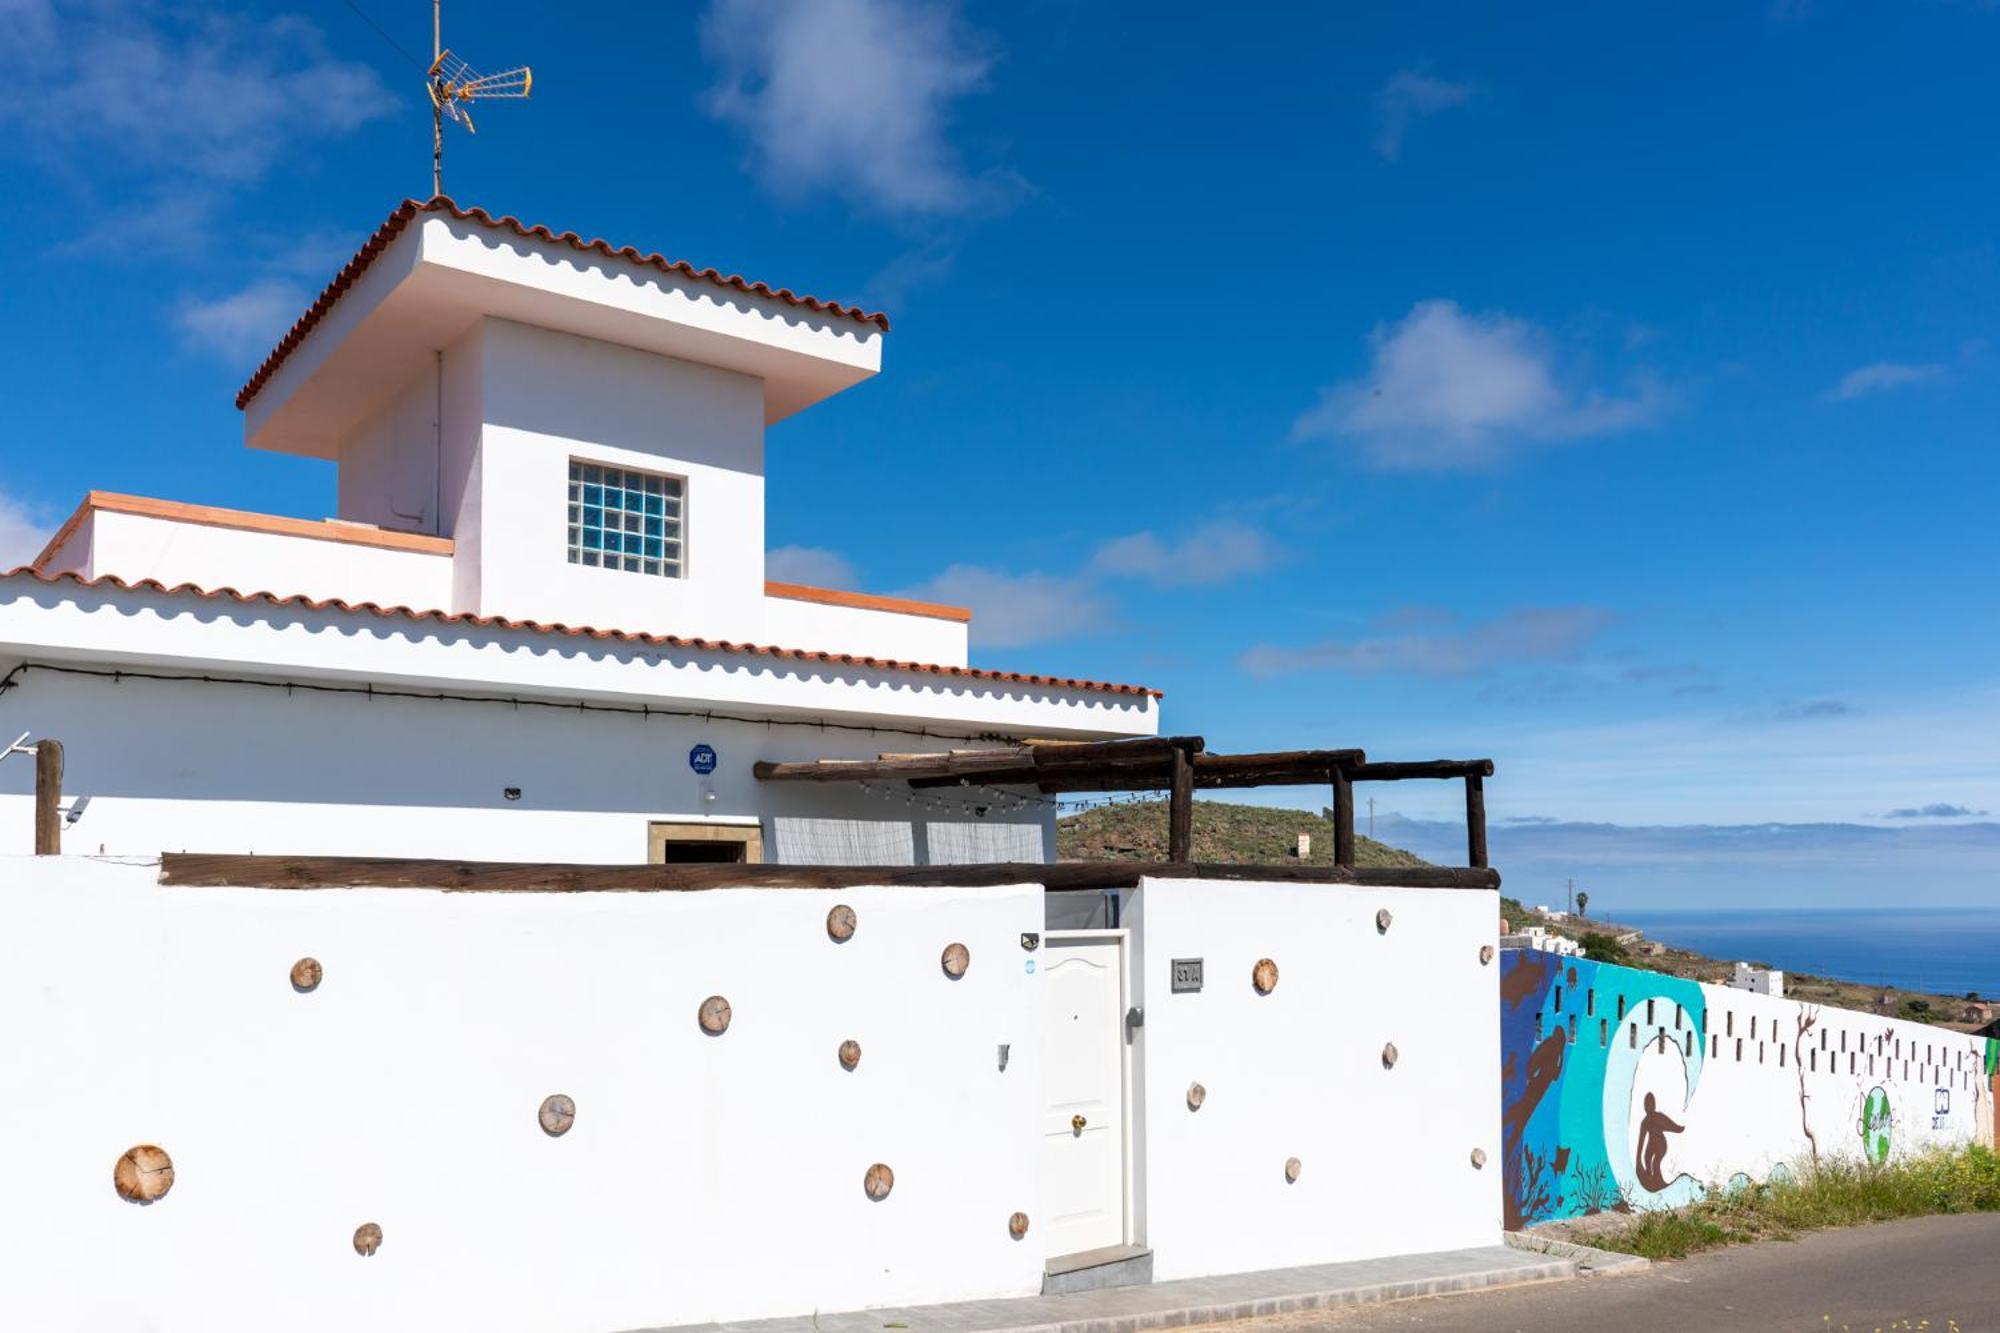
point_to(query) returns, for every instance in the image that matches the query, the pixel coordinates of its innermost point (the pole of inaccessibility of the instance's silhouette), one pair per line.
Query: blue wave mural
(1572, 1035)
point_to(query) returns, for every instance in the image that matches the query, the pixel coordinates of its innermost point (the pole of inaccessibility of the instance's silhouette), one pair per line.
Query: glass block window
(621, 519)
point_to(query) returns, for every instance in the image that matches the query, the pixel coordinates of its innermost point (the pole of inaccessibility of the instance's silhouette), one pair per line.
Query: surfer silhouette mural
(1653, 1130)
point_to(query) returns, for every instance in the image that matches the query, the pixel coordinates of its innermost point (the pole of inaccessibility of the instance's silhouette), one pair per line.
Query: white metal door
(1083, 1123)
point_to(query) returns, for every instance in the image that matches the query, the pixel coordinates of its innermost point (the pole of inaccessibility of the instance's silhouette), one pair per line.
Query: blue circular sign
(702, 758)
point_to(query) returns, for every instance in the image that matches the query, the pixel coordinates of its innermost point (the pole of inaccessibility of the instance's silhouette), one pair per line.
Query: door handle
(1077, 1122)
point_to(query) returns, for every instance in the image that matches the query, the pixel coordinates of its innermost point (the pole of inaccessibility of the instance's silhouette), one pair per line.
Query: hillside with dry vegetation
(1223, 833)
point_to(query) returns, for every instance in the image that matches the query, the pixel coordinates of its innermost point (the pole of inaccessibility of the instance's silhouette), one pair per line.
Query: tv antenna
(453, 85)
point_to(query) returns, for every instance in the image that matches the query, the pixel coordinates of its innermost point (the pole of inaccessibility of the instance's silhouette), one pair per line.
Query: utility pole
(1371, 817)
(1570, 907)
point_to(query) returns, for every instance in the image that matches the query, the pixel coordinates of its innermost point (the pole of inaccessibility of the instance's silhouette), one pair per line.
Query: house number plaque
(1187, 975)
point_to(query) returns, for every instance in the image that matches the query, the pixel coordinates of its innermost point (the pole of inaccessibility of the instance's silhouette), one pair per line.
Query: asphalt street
(1938, 1274)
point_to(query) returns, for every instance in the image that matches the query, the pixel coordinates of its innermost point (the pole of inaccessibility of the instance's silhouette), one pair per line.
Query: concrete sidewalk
(1193, 1300)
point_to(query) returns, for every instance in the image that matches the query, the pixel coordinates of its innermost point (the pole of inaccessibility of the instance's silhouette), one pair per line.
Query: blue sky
(1609, 391)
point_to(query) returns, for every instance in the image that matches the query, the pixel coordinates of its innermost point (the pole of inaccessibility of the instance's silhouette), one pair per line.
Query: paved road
(1942, 1269)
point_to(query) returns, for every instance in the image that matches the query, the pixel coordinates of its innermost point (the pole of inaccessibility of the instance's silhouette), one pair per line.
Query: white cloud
(1881, 375)
(1407, 97)
(244, 324)
(181, 93)
(852, 96)
(1450, 389)
(1731, 764)
(1013, 609)
(815, 566)
(1215, 552)
(1428, 643)
(24, 530)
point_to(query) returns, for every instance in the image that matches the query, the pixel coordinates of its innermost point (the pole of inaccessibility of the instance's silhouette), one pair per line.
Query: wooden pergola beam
(1015, 765)
(1178, 765)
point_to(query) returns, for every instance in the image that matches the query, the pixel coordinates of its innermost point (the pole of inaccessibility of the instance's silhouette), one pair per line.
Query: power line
(12, 679)
(381, 32)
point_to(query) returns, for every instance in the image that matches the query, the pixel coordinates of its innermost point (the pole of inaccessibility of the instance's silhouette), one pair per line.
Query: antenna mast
(452, 84)
(437, 107)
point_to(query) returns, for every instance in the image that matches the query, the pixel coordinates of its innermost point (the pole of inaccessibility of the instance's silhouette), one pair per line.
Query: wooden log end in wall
(1292, 1169)
(367, 1239)
(714, 1015)
(145, 1173)
(1196, 1095)
(879, 1181)
(1264, 976)
(306, 974)
(1478, 1159)
(1017, 1225)
(1485, 954)
(955, 960)
(556, 1115)
(850, 1054)
(1383, 921)
(840, 923)
(1390, 1056)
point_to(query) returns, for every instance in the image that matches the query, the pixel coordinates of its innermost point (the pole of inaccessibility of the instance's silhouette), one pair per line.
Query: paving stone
(1189, 1300)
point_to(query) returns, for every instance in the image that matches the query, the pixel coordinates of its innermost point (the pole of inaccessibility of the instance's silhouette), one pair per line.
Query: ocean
(1948, 950)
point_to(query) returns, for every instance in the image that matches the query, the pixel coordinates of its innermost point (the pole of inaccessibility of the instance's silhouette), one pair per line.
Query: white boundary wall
(706, 1178)
(1385, 1153)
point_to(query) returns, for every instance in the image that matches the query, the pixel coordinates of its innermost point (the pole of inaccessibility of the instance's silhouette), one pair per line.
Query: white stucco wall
(705, 1177)
(138, 546)
(1385, 1153)
(391, 471)
(186, 766)
(853, 629)
(552, 397)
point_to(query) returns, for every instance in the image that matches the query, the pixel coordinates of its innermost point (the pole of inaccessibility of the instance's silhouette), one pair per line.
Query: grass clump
(1838, 1193)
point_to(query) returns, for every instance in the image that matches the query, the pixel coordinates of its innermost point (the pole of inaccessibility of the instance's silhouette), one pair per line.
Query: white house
(1757, 980)
(1541, 937)
(537, 625)
(297, 1054)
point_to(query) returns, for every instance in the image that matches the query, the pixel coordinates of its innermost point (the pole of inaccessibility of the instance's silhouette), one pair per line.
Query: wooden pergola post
(1180, 808)
(1475, 820)
(1343, 818)
(48, 798)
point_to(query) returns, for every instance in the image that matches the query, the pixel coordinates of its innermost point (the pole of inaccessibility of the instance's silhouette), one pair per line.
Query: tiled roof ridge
(574, 631)
(393, 225)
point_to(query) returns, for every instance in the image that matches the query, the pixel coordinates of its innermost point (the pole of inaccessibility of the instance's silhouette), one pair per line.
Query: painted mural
(1626, 1089)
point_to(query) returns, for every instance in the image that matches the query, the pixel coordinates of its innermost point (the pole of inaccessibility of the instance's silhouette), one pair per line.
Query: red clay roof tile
(577, 631)
(393, 225)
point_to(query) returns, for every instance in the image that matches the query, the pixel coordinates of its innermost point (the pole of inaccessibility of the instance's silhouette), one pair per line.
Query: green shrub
(1835, 1193)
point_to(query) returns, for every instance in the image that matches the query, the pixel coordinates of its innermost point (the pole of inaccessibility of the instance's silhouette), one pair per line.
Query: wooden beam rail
(1473, 771)
(200, 870)
(1177, 764)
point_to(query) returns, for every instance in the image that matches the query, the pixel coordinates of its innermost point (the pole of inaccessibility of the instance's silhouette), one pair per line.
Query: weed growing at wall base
(1815, 1197)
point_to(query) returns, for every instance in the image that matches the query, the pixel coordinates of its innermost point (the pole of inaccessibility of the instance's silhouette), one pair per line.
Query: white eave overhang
(146, 631)
(442, 274)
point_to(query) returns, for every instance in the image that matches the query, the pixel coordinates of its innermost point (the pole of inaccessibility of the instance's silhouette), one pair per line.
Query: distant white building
(1552, 913)
(1541, 937)
(1757, 980)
